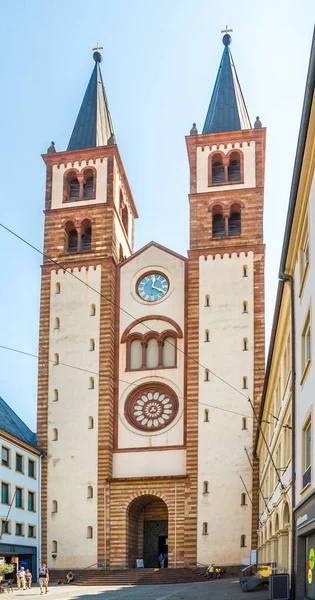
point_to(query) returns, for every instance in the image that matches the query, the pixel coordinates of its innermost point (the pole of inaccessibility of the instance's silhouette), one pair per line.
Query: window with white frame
(306, 343)
(305, 258)
(307, 453)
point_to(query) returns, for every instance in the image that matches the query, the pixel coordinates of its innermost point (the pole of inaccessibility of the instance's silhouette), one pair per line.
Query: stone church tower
(226, 313)
(139, 461)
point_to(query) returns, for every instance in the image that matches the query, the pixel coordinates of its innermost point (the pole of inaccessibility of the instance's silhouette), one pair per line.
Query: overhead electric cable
(120, 308)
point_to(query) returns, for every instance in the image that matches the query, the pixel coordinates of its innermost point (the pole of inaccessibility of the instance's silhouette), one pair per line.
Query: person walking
(20, 578)
(161, 560)
(28, 578)
(43, 578)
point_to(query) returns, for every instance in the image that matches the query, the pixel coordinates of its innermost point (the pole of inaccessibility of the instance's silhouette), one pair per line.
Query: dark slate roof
(12, 424)
(227, 110)
(93, 126)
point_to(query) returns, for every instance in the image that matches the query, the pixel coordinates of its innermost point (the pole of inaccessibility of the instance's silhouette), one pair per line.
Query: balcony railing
(307, 477)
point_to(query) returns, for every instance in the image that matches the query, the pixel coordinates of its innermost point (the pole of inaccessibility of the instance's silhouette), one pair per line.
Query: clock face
(152, 287)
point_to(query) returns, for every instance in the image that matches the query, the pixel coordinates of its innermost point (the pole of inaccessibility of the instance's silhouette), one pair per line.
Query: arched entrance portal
(147, 526)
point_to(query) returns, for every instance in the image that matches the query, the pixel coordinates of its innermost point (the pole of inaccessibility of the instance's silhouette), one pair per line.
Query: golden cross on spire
(226, 30)
(98, 48)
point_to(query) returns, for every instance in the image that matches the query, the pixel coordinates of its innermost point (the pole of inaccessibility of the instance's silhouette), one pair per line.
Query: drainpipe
(290, 279)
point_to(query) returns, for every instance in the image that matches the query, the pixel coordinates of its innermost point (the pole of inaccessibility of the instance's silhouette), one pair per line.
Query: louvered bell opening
(86, 239)
(217, 173)
(235, 227)
(74, 189)
(234, 171)
(88, 188)
(218, 226)
(73, 240)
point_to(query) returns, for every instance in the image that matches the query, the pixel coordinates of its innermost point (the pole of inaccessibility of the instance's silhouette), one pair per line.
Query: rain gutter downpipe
(290, 279)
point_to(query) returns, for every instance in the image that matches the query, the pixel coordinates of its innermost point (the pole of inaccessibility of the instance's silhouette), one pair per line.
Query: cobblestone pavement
(225, 589)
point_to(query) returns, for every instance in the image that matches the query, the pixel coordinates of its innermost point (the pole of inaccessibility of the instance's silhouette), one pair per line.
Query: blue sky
(160, 61)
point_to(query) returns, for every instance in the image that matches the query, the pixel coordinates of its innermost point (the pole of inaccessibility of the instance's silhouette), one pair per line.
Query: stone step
(128, 577)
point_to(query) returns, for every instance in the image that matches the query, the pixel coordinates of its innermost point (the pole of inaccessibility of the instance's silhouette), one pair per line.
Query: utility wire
(257, 479)
(109, 377)
(247, 492)
(58, 264)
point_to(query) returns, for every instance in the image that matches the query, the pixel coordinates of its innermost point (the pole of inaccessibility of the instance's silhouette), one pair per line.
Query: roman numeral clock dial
(152, 287)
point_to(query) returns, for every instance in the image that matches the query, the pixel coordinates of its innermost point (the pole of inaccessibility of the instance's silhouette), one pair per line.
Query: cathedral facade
(148, 358)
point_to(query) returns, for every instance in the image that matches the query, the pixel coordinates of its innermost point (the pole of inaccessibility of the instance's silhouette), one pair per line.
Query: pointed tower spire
(227, 110)
(93, 126)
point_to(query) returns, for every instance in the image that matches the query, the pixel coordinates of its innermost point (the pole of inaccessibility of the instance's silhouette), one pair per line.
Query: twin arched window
(226, 226)
(145, 352)
(225, 169)
(78, 239)
(79, 186)
(123, 209)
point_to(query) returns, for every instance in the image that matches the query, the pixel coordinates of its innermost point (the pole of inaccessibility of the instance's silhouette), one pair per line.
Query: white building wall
(305, 388)
(15, 479)
(173, 307)
(221, 455)
(58, 180)
(203, 166)
(72, 459)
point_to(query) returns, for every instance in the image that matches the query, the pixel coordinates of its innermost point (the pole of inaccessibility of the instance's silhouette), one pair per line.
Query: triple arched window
(151, 351)
(78, 238)
(225, 169)
(226, 225)
(79, 185)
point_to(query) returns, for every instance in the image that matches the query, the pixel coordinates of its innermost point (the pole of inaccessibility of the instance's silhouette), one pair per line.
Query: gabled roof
(227, 110)
(93, 126)
(149, 245)
(12, 424)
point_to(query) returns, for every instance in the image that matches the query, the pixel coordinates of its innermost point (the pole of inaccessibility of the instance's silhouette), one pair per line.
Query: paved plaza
(214, 590)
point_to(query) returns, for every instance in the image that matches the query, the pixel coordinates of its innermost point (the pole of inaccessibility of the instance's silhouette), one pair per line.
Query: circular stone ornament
(151, 406)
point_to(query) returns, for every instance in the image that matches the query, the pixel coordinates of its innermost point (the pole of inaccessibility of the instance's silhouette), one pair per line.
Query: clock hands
(153, 282)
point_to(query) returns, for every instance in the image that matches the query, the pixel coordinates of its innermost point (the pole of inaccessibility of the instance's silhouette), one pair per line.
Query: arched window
(91, 383)
(243, 541)
(207, 300)
(243, 499)
(57, 323)
(245, 274)
(56, 359)
(152, 354)
(207, 335)
(54, 547)
(234, 168)
(135, 360)
(206, 415)
(169, 352)
(245, 306)
(56, 396)
(244, 423)
(217, 169)
(88, 184)
(244, 383)
(92, 310)
(57, 288)
(218, 225)
(72, 187)
(86, 235)
(205, 529)
(90, 491)
(72, 243)
(207, 375)
(92, 345)
(235, 226)
(89, 532)
(245, 344)
(91, 423)
(205, 487)
(54, 507)
(121, 253)
(125, 218)
(55, 435)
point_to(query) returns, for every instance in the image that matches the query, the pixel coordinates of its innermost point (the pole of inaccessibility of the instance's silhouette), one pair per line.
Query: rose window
(151, 407)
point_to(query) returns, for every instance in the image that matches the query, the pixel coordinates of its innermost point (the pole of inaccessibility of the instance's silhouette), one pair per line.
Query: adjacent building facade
(144, 438)
(20, 471)
(285, 444)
